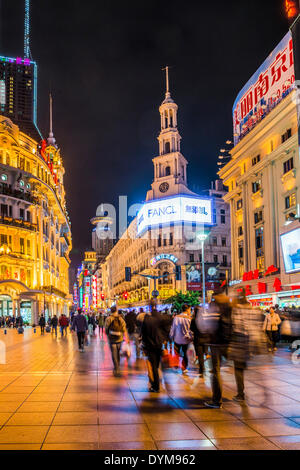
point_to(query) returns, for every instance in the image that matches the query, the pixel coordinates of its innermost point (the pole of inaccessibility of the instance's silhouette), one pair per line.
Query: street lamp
(202, 237)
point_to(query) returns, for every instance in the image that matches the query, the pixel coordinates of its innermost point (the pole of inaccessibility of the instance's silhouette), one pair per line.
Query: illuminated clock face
(164, 187)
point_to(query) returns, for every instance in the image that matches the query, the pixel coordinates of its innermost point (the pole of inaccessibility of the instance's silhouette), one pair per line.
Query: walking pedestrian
(152, 340)
(101, 322)
(272, 320)
(80, 325)
(63, 323)
(132, 330)
(42, 323)
(181, 334)
(201, 338)
(218, 318)
(115, 328)
(54, 323)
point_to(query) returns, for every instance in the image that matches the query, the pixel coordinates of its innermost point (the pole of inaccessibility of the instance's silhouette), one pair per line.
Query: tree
(191, 298)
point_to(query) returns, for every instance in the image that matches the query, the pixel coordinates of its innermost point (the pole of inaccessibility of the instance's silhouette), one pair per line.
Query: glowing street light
(202, 237)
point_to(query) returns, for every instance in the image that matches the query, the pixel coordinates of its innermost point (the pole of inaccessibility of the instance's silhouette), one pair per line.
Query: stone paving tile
(274, 427)
(72, 434)
(192, 444)
(75, 418)
(250, 412)
(9, 407)
(287, 410)
(140, 445)
(166, 416)
(37, 406)
(205, 414)
(4, 417)
(44, 397)
(178, 431)
(72, 446)
(20, 446)
(225, 429)
(74, 406)
(287, 442)
(13, 397)
(23, 434)
(119, 413)
(124, 432)
(31, 419)
(245, 443)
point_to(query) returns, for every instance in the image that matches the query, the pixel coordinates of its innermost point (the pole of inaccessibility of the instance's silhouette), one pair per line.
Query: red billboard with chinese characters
(272, 82)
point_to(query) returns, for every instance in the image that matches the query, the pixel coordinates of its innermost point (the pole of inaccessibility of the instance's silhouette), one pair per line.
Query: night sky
(103, 61)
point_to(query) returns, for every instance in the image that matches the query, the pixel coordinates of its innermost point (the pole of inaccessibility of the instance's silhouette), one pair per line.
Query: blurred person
(80, 325)
(166, 321)
(63, 323)
(132, 329)
(270, 326)
(53, 324)
(218, 319)
(91, 324)
(115, 328)
(101, 321)
(181, 334)
(152, 340)
(201, 338)
(42, 323)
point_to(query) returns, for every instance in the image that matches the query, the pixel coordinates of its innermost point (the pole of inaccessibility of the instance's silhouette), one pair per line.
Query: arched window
(171, 118)
(166, 119)
(168, 171)
(167, 147)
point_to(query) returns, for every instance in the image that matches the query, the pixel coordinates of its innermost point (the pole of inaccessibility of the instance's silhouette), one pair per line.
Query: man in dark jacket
(42, 323)
(115, 328)
(152, 339)
(80, 325)
(54, 323)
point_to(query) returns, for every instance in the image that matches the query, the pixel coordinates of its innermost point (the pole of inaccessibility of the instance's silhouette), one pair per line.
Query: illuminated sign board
(174, 210)
(16, 60)
(157, 258)
(290, 243)
(266, 88)
(2, 92)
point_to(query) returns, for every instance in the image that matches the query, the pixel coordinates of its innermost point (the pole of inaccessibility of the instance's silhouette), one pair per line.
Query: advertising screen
(290, 243)
(271, 82)
(2, 92)
(176, 209)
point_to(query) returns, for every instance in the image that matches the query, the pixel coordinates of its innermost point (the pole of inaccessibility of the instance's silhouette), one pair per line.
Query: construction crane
(26, 30)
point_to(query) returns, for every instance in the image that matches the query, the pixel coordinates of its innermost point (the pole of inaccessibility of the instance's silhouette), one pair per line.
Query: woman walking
(271, 323)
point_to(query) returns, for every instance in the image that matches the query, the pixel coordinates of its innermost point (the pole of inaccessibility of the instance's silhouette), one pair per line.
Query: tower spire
(51, 139)
(26, 30)
(168, 94)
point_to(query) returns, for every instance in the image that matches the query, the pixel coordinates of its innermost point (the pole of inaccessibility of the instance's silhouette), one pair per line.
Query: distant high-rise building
(18, 93)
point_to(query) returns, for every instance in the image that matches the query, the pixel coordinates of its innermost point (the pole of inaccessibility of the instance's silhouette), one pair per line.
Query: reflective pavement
(53, 397)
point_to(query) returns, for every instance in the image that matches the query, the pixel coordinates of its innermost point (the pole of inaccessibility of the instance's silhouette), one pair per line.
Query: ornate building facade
(161, 249)
(35, 231)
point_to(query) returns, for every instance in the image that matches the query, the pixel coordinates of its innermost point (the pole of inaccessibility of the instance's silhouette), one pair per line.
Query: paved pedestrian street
(53, 397)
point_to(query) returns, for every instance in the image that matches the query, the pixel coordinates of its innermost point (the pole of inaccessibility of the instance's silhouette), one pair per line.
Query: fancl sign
(174, 210)
(156, 259)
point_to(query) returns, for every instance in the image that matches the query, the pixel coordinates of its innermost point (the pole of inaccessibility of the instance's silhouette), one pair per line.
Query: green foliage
(179, 299)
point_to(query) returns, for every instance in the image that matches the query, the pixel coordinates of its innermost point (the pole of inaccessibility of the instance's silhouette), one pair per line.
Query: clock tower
(170, 175)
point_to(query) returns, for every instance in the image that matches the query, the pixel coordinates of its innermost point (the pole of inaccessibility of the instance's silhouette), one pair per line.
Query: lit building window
(4, 177)
(290, 201)
(21, 183)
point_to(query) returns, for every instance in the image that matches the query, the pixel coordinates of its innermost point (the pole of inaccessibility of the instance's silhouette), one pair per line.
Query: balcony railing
(18, 223)
(7, 190)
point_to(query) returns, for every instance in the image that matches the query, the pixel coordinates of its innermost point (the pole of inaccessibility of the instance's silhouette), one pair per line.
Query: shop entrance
(5, 306)
(25, 311)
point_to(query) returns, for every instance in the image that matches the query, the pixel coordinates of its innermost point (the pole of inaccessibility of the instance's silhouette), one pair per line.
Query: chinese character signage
(176, 209)
(266, 88)
(163, 256)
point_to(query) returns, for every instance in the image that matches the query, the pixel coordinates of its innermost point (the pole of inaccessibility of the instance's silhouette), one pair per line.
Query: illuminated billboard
(290, 243)
(2, 92)
(266, 88)
(174, 210)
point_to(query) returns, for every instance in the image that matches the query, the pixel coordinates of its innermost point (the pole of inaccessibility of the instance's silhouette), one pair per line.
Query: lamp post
(202, 237)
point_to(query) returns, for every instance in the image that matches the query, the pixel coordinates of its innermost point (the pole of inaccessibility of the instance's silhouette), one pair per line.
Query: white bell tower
(170, 166)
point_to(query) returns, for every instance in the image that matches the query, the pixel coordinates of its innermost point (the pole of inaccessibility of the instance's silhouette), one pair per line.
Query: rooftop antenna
(26, 30)
(51, 139)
